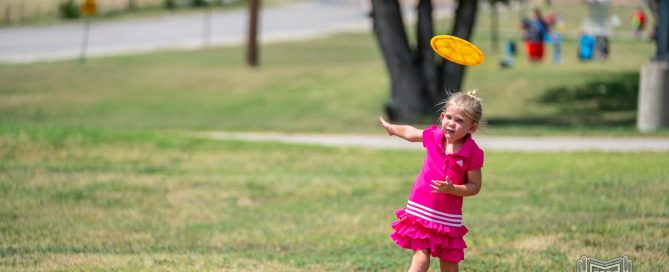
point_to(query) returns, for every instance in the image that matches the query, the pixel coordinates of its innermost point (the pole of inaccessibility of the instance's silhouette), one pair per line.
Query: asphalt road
(296, 21)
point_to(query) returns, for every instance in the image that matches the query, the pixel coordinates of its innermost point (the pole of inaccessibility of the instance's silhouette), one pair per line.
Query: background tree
(660, 12)
(418, 80)
(252, 43)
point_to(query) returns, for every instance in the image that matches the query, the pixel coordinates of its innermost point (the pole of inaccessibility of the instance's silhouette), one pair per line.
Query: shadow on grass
(609, 102)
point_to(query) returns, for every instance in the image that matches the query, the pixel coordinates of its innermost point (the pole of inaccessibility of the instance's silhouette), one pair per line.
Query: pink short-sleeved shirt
(445, 209)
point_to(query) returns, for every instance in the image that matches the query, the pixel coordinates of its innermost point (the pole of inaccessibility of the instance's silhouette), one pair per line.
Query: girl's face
(455, 124)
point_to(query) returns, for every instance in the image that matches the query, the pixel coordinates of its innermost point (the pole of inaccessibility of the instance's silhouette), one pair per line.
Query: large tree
(418, 80)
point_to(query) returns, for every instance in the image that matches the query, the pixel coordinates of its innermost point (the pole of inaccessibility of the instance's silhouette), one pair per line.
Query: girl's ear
(441, 117)
(474, 127)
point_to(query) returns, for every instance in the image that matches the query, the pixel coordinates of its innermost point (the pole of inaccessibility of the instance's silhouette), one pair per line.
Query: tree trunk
(425, 56)
(417, 80)
(465, 18)
(494, 27)
(405, 80)
(252, 43)
(662, 32)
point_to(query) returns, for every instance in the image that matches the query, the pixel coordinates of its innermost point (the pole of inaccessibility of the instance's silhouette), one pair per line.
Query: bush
(200, 3)
(69, 9)
(169, 4)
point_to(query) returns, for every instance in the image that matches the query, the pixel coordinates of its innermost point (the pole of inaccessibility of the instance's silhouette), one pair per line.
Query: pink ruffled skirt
(444, 242)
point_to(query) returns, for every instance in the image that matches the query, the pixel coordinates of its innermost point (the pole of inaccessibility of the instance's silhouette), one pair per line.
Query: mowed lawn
(105, 200)
(100, 168)
(335, 84)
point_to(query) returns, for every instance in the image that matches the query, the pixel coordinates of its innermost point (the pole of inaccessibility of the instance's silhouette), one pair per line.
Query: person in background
(602, 43)
(510, 52)
(556, 39)
(586, 46)
(534, 33)
(638, 21)
(554, 21)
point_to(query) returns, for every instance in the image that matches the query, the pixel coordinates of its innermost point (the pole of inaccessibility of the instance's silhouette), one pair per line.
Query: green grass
(99, 169)
(335, 84)
(305, 86)
(299, 85)
(94, 199)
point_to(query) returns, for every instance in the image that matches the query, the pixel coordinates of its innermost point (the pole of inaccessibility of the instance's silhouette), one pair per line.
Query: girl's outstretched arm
(406, 132)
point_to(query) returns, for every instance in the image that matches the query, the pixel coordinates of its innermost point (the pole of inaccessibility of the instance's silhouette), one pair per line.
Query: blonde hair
(469, 103)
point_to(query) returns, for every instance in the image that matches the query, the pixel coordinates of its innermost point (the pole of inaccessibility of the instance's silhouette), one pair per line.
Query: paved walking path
(492, 143)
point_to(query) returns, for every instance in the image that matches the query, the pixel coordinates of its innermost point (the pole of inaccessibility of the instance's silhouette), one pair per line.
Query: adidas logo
(460, 162)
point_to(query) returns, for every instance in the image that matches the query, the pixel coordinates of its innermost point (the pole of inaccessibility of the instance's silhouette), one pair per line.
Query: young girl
(431, 223)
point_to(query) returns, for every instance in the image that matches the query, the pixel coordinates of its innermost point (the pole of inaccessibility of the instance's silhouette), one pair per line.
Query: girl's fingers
(383, 121)
(445, 182)
(385, 125)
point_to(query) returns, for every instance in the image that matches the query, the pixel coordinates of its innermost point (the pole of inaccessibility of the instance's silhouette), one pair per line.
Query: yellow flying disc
(457, 50)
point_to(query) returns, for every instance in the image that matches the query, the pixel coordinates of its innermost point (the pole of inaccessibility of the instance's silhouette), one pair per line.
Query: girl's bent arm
(406, 132)
(472, 187)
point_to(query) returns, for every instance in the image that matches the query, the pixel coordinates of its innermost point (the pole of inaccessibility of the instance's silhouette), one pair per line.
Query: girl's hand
(439, 186)
(386, 126)
(405, 132)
